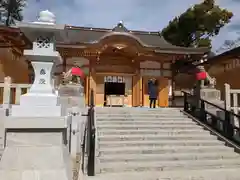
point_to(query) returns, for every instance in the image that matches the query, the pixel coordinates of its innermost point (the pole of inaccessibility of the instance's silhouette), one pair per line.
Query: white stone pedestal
(36, 148)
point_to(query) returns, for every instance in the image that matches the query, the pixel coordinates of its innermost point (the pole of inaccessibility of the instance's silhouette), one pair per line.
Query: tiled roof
(148, 39)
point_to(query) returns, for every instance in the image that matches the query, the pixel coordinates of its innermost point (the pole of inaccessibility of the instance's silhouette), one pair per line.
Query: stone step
(150, 132)
(150, 126)
(166, 115)
(138, 119)
(146, 122)
(168, 157)
(169, 165)
(164, 149)
(203, 174)
(156, 137)
(124, 109)
(117, 113)
(162, 143)
(139, 112)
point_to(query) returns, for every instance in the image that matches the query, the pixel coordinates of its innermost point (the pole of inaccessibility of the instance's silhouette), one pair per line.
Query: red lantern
(77, 72)
(201, 75)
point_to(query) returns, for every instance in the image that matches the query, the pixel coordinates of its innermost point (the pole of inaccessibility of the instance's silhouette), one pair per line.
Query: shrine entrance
(114, 91)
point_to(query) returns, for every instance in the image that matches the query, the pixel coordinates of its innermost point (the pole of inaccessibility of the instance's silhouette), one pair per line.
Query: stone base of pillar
(37, 105)
(36, 148)
(39, 99)
(72, 98)
(36, 111)
(210, 93)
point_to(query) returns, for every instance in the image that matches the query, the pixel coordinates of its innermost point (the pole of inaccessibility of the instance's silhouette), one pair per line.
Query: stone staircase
(151, 144)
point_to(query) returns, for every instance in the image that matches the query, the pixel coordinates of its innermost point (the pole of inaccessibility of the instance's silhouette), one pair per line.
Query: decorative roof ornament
(120, 23)
(46, 17)
(120, 27)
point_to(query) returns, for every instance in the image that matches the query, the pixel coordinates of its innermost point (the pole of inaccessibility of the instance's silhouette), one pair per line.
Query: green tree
(13, 9)
(196, 26)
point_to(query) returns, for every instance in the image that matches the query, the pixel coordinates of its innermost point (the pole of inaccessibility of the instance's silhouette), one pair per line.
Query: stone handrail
(231, 102)
(10, 95)
(232, 95)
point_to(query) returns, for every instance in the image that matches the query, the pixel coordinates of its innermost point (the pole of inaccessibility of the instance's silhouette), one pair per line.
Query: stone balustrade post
(227, 102)
(7, 92)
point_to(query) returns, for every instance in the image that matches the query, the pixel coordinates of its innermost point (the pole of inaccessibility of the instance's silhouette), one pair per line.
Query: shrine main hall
(119, 62)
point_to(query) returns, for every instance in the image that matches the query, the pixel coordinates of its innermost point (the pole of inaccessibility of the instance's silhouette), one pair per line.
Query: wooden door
(163, 92)
(146, 94)
(136, 91)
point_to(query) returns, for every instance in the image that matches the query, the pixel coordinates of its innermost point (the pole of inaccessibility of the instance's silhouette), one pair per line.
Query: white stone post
(7, 92)
(227, 102)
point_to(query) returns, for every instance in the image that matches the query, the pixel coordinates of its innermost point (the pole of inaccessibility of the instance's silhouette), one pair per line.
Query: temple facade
(119, 62)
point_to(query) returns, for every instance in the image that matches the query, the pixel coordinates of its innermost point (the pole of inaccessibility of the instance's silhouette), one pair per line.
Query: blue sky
(151, 15)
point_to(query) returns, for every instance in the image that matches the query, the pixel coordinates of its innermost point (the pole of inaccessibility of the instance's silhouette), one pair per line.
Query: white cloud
(145, 15)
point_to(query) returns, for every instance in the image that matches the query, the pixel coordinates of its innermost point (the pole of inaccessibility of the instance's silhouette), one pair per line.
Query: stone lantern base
(37, 106)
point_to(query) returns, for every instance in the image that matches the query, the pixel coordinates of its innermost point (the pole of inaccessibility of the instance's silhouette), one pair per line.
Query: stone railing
(10, 92)
(232, 100)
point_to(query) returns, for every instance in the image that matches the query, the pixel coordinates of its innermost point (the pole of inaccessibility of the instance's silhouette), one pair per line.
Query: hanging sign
(114, 79)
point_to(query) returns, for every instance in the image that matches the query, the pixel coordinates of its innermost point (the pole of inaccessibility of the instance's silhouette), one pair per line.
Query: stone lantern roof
(47, 17)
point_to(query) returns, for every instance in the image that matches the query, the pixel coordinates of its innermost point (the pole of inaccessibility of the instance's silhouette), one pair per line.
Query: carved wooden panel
(166, 65)
(150, 65)
(150, 72)
(166, 73)
(114, 68)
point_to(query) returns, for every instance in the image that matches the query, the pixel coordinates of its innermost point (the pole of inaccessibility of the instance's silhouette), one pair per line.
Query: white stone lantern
(41, 100)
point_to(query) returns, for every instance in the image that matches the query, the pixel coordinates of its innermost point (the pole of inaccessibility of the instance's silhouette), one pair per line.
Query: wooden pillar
(87, 83)
(92, 83)
(136, 90)
(64, 64)
(141, 91)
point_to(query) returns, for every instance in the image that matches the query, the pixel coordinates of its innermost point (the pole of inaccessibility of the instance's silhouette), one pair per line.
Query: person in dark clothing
(152, 92)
